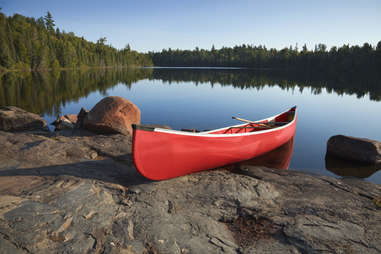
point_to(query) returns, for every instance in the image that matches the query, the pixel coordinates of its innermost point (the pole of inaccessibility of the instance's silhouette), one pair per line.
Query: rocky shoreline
(73, 191)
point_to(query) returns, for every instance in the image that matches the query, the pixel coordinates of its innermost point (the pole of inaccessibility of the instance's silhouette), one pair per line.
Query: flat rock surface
(82, 194)
(17, 119)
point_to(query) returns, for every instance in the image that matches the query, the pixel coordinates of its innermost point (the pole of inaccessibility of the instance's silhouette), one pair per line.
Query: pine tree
(49, 22)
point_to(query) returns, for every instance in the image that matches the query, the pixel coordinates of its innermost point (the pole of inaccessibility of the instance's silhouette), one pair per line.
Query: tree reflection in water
(47, 92)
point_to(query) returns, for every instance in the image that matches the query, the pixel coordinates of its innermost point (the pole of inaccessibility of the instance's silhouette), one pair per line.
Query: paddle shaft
(263, 124)
(248, 121)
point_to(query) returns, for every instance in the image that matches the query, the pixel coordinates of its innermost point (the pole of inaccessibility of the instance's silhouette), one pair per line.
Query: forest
(345, 59)
(35, 44)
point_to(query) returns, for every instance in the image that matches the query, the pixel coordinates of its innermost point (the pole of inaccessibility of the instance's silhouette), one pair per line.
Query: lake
(207, 98)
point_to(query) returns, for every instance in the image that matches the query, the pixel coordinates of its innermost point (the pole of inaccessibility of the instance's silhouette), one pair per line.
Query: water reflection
(48, 92)
(278, 158)
(350, 169)
(348, 84)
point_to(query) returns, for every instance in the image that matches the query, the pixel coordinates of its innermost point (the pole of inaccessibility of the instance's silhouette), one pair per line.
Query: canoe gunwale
(142, 127)
(208, 133)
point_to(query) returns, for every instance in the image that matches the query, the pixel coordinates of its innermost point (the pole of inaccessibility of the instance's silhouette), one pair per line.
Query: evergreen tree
(49, 22)
(378, 56)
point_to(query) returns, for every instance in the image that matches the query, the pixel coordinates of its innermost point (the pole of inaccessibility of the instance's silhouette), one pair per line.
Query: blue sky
(154, 25)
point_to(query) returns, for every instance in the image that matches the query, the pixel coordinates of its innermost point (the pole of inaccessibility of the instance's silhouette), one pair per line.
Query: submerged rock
(17, 119)
(355, 149)
(112, 115)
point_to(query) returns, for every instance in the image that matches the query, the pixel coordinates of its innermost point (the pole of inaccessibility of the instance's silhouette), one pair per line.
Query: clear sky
(156, 24)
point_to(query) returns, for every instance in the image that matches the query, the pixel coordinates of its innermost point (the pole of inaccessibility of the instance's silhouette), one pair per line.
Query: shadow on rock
(118, 170)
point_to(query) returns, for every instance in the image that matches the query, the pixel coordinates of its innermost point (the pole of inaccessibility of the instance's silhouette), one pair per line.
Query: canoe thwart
(190, 130)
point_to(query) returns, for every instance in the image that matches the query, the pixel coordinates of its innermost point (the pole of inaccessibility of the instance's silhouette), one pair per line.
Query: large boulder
(112, 115)
(17, 119)
(355, 149)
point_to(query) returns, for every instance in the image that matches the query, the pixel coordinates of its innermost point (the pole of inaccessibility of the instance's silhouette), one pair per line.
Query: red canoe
(161, 153)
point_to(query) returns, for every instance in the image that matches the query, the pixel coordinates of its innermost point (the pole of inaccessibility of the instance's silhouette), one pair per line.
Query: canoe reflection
(348, 168)
(277, 158)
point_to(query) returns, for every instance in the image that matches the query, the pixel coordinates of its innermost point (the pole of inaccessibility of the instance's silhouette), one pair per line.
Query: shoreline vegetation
(345, 59)
(31, 44)
(35, 44)
(82, 68)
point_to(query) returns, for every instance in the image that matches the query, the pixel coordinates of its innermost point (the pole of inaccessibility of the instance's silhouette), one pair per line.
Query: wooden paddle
(248, 121)
(268, 124)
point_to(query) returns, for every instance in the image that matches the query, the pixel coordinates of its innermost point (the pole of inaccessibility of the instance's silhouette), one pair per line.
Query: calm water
(208, 98)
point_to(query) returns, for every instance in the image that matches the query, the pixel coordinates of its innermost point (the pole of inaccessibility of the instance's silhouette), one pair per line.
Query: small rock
(62, 123)
(184, 251)
(355, 149)
(80, 118)
(112, 115)
(16, 119)
(93, 155)
(73, 118)
(65, 122)
(90, 215)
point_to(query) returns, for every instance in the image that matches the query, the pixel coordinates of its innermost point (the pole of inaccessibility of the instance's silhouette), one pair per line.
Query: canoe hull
(279, 158)
(162, 154)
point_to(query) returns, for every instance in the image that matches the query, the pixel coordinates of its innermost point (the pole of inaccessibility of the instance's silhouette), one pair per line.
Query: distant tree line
(360, 59)
(29, 43)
